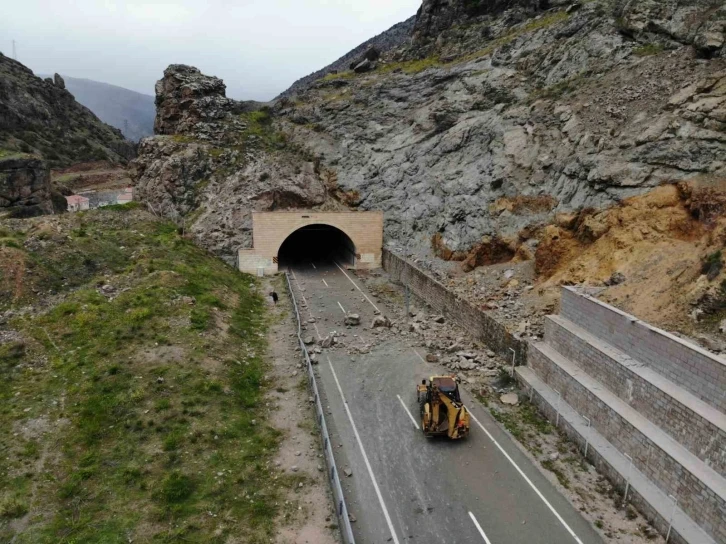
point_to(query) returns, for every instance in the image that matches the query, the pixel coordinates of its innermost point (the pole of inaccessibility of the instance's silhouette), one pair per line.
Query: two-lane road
(404, 487)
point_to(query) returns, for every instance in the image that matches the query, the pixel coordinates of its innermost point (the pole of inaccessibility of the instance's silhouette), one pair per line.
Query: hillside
(41, 117)
(493, 122)
(130, 112)
(131, 366)
(393, 38)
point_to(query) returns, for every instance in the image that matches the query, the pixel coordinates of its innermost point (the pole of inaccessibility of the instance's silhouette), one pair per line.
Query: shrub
(177, 488)
(12, 507)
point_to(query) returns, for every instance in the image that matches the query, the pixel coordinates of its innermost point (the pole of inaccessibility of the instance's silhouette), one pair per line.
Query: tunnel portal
(285, 238)
(316, 243)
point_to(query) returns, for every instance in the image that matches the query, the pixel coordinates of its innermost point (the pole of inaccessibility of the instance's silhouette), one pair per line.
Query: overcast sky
(259, 47)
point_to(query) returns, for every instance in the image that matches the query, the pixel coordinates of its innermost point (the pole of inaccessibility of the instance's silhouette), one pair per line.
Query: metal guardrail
(333, 477)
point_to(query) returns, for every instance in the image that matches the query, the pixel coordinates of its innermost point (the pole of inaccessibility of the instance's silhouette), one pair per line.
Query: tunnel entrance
(316, 243)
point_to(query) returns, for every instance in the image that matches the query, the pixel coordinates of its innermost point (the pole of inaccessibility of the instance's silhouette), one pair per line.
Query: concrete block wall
(660, 522)
(682, 362)
(695, 497)
(702, 437)
(480, 325)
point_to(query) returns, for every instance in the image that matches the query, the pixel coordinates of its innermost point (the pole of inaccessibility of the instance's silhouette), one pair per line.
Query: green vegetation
(648, 50)
(523, 422)
(260, 130)
(550, 465)
(534, 25)
(350, 74)
(132, 406)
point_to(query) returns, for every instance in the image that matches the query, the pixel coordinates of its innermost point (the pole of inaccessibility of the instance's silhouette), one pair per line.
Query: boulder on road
(352, 320)
(381, 321)
(308, 340)
(511, 399)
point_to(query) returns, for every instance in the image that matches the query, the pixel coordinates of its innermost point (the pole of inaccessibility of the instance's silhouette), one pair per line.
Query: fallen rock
(512, 399)
(328, 341)
(309, 340)
(439, 319)
(380, 321)
(432, 358)
(722, 326)
(352, 320)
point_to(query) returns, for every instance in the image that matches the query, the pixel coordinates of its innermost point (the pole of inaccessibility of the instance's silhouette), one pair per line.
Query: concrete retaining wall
(456, 309)
(699, 502)
(684, 363)
(674, 417)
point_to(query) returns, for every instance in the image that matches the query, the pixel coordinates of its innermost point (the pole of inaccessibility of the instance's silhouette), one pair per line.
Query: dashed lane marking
(315, 267)
(526, 479)
(481, 531)
(326, 283)
(410, 415)
(341, 307)
(356, 286)
(365, 457)
(419, 355)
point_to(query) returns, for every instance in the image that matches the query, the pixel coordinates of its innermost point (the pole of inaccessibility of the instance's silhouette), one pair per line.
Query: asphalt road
(405, 488)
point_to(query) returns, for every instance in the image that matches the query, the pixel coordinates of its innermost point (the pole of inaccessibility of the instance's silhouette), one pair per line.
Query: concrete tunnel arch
(286, 237)
(315, 243)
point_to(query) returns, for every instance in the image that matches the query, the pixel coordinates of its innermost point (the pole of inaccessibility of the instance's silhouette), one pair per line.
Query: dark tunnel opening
(317, 244)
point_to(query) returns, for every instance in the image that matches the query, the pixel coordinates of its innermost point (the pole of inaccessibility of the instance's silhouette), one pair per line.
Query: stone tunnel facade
(271, 229)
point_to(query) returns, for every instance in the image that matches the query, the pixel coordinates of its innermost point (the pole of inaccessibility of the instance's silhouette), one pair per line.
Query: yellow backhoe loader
(442, 412)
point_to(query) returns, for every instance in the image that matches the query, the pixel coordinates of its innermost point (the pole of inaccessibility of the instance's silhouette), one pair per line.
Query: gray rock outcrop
(25, 187)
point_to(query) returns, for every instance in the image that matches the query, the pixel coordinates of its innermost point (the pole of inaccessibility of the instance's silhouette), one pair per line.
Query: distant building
(126, 196)
(77, 203)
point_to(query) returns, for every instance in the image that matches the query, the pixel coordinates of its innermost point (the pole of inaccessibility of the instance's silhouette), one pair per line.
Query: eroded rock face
(564, 108)
(216, 160)
(25, 188)
(185, 97)
(41, 117)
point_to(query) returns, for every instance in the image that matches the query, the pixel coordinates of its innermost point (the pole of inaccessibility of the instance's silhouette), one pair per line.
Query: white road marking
(365, 456)
(341, 307)
(481, 531)
(526, 479)
(356, 286)
(408, 412)
(419, 355)
(326, 283)
(315, 267)
(306, 304)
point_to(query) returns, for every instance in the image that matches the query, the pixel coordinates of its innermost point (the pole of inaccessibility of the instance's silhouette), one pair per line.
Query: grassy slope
(134, 413)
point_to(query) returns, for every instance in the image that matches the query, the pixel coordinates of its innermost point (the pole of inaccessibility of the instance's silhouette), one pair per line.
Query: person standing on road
(274, 296)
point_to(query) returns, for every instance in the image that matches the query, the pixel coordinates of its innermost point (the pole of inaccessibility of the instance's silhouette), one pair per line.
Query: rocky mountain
(494, 119)
(215, 160)
(130, 112)
(394, 37)
(41, 117)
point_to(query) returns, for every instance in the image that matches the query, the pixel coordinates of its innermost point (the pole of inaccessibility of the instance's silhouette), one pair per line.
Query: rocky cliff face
(41, 117)
(496, 117)
(517, 114)
(216, 159)
(25, 187)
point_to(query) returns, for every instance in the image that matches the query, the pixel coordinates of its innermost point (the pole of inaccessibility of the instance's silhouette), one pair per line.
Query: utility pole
(15, 53)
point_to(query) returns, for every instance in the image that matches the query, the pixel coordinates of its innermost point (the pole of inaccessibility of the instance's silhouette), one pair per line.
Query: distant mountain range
(130, 112)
